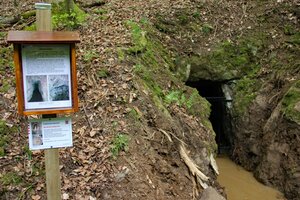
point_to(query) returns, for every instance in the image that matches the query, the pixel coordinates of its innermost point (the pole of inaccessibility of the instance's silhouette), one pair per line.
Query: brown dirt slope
(114, 102)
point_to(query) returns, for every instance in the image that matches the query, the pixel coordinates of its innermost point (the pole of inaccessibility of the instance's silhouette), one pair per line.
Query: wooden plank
(74, 78)
(52, 111)
(53, 181)
(19, 79)
(43, 14)
(42, 37)
(52, 174)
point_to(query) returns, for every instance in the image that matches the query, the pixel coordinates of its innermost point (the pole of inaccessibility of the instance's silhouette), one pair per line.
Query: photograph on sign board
(36, 133)
(59, 88)
(36, 88)
(50, 133)
(46, 76)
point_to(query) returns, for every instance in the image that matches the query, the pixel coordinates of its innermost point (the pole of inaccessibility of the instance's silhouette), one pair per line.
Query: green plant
(173, 96)
(134, 114)
(290, 102)
(183, 19)
(104, 73)
(192, 99)
(245, 91)
(196, 14)
(11, 178)
(138, 68)
(289, 30)
(6, 61)
(63, 18)
(32, 27)
(89, 55)
(180, 98)
(121, 54)
(119, 143)
(138, 37)
(207, 28)
(2, 35)
(3, 137)
(100, 11)
(5, 86)
(27, 152)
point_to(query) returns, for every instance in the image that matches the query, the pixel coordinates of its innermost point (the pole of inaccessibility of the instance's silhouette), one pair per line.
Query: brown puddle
(241, 185)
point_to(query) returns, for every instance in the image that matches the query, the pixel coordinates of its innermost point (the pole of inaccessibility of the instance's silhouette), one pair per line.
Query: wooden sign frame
(63, 40)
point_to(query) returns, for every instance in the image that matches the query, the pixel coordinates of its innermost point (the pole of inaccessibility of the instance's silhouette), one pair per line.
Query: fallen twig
(166, 134)
(87, 118)
(170, 139)
(194, 169)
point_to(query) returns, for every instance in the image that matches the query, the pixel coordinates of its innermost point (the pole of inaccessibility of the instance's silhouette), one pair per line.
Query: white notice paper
(46, 76)
(50, 133)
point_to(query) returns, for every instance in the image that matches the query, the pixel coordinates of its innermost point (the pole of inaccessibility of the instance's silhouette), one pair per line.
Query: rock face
(59, 89)
(267, 140)
(211, 194)
(36, 88)
(36, 94)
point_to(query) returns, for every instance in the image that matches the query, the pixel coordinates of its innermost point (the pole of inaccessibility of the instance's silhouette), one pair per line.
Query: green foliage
(180, 99)
(134, 114)
(196, 14)
(119, 143)
(207, 28)
(3, 137)
(89, 55)
(174, 96)
(6, 133)
(6, 61)
(28, 14)
(32, 27)
(103, 73)
(289, 30)
(121, 54)
(138, 37)
(27, 152)
(245, 91)
(192, 99)
(5, 86)
(289, 102)
(295, 39)
(62, 18)
(3, 35)
(11, 178)
(229, 60)
(100, 11)
(183, 19)
(138, 68)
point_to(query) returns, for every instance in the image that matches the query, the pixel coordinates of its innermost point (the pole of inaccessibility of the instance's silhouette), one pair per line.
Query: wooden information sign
(45, 66)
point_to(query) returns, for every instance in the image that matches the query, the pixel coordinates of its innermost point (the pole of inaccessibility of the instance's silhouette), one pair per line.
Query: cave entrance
(217, 95)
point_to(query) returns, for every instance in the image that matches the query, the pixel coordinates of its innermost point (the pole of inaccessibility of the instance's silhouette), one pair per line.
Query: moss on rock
(291, 103)
(228, 61)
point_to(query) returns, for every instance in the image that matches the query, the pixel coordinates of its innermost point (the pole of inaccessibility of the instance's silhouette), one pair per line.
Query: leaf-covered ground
(132, 120)
(111, 106)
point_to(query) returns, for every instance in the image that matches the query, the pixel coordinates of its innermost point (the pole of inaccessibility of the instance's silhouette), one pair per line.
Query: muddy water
(241, 185)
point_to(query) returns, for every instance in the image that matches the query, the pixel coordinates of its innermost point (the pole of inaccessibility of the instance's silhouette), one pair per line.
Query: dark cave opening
(220, 116)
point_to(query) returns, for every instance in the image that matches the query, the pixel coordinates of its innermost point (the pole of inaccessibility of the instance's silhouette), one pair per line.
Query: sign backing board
(45, 68)
(50, 133)
(46, 76)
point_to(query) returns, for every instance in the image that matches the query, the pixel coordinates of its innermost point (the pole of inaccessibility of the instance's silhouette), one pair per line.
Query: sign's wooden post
(46, 83)
(43, 23)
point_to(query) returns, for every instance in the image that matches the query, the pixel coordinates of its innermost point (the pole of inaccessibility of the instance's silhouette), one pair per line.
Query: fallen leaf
(35, 197)
(65, 196)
